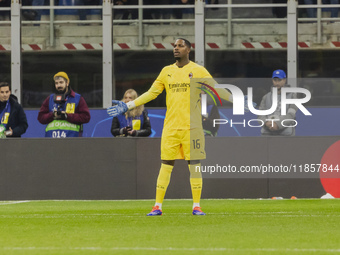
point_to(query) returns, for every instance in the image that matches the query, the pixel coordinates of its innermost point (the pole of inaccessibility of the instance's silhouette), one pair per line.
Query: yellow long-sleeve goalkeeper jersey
(182, 101)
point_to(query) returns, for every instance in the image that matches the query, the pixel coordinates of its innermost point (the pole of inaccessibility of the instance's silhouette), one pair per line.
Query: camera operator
(65, 111)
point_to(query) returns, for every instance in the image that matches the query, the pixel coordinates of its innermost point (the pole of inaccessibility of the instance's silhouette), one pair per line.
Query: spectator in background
(273, 123)
(162, 13)
(126, 13)
(12, 115)
(64, 112)
(3, 14)
(165, 13)
(28, 14)
(39, 3)
(311, 12)
(83, 12)
(178, 13)
(333, 11)
(280, 12)
(134, 122)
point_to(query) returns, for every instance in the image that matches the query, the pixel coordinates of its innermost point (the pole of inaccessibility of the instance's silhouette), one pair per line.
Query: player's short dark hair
(187, 43)
(5, 84)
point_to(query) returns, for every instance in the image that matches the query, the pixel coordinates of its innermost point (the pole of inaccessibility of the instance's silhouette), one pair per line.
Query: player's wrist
(131, 105)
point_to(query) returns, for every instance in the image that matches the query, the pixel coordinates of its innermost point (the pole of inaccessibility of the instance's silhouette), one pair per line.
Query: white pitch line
(222, 249)
(13, 202)
(182, 199)
(184, 214)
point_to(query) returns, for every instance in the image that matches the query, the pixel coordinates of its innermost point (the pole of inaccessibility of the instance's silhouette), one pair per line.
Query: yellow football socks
(196, 182)
(163, 181)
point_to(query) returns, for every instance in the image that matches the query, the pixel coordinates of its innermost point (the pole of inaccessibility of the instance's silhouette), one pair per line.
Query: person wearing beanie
(65, 111)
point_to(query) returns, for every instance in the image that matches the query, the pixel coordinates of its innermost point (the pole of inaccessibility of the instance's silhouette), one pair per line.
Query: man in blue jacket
(12, 115)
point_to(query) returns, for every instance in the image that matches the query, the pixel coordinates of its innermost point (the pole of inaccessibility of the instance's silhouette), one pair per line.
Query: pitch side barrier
(124, 168)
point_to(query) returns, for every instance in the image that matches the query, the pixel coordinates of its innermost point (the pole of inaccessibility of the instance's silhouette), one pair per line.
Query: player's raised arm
(224, 94)
(148, 96)
(120, 107)
(210, 84)
(207, 80)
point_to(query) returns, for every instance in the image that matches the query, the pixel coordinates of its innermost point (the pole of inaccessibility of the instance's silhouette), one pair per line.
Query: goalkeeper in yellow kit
(182, 136)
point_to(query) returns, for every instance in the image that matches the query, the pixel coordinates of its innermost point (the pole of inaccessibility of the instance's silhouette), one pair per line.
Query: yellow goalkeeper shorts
(183, 144)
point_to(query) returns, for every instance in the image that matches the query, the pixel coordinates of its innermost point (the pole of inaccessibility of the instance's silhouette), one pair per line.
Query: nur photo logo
(244, 103)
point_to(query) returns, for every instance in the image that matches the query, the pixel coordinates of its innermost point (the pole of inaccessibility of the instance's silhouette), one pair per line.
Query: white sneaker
(327, 196)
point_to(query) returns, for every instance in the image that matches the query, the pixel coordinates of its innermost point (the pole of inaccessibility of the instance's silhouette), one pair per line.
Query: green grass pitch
(302, 226)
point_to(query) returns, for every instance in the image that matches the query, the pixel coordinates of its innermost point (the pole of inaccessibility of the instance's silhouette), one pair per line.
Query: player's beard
(177, 56)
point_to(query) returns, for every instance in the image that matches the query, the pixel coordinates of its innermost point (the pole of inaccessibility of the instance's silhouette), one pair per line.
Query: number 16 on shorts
(197, 144)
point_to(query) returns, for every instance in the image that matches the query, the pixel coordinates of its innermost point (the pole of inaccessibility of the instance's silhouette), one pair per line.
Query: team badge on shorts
(190, 75)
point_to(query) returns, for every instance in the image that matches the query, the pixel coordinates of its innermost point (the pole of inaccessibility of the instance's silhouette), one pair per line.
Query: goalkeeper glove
(117, 109)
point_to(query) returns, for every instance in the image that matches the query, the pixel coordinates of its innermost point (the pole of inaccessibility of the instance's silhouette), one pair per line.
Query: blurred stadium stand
(256, 48)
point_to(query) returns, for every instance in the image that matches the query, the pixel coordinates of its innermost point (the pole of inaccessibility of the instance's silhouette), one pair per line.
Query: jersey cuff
(131, 105)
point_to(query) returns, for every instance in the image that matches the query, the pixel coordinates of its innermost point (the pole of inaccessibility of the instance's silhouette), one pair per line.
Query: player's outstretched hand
(117, 109)
(246, 108)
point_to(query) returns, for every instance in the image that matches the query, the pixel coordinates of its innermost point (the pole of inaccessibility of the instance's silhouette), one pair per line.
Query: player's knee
(193, 162)
(168, 162)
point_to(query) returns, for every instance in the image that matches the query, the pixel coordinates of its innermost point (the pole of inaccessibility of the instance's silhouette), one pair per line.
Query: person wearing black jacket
(134, 122)
(12, 115)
